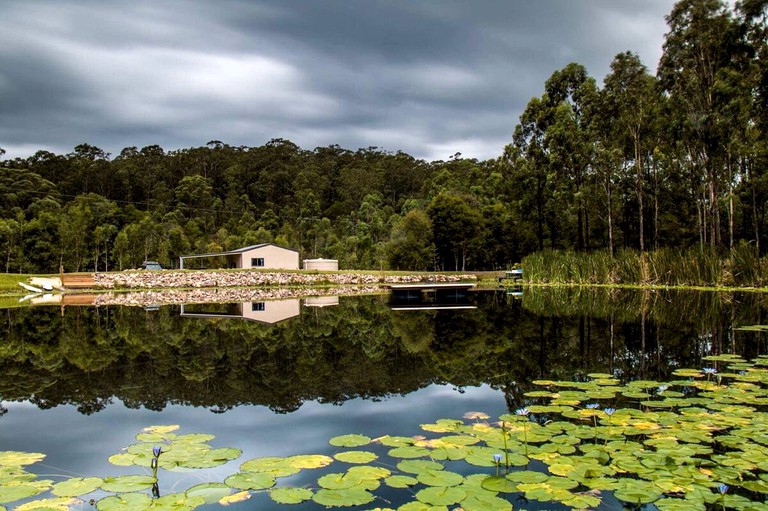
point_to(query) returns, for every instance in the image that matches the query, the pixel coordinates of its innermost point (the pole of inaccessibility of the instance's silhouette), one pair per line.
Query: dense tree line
(677, 159)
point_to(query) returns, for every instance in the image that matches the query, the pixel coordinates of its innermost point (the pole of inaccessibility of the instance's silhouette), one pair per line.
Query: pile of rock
(248, 278)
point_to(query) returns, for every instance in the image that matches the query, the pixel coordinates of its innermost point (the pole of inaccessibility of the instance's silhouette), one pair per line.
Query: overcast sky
(430, 78)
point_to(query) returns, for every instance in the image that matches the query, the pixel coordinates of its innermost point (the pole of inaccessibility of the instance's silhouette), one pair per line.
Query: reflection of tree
(89, 357)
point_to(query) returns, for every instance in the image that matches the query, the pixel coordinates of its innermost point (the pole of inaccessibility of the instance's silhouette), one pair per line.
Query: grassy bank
(709, 268)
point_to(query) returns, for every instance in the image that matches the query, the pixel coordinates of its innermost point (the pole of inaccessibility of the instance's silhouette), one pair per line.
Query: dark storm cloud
(428, 78)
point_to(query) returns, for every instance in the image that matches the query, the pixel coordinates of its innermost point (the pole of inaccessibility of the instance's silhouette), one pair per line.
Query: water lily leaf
(540, 393)
(582, 501)
(338, 481)
(57, 504)
(125, 502)
(76, 486)
(343, 498)
(418, 466)
(309, 461)
(420, 506)
(449, 453)
(400, 481)
(368, 473)
(636, 491)
(672, 504)
(161, 430)
(290, 495)
(440, 478)
(481, 502)
(123, 459)
(527, 476)
(394, 441)
(250, 481)
(443, 426)
(235, 497)
(124, 484)
(15, 490)
(350, 441)
(441, 495)
(212, 458)
(193, 438)
(274, 466)
(355, 456)
(16, 459)
(408, 452)
(177, 502)
(499, 484)
(210, 492)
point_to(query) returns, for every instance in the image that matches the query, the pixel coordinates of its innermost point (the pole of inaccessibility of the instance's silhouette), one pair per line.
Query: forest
(641, 162)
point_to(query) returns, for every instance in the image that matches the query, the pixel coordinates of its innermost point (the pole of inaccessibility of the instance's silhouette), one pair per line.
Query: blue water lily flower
(522, 411)
(592, 406)
(497, 458)
(709, 370)
(723, 488)
(157, 450)
(609, 411)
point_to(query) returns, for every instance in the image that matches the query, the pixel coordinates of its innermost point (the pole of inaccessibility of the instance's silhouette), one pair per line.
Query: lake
(279, 378)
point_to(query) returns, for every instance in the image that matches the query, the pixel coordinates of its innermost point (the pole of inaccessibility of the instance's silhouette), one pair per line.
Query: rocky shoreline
(184, 287)
(249, 278)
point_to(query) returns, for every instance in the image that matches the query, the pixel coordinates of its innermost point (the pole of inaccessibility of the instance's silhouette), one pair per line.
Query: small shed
(264, 256)
(321, 264)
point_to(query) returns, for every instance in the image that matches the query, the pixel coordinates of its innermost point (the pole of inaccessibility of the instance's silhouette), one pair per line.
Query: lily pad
(56, 504)
(210, 492)
(16, 490)
(441, 495)
(16, 458)
(343, 498)
(440, 478)
(125, 502)
(356, 456)
(350, 441)
(400, 481)
(290, 495)
(125, 484)
(76, 486)
(250, 481)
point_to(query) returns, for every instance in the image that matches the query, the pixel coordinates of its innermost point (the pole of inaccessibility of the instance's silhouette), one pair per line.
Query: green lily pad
(418, 466)
(499, 484)
(350, 441)
(55, 504)
(16, 490)
(290, 495)
(125, 502)
(16, 458)
(440, 478)
(76, 486)
(177, 502)
(408, 452)
(125, 484)
(356, 456)
(250, 481)
(308, 461)
(343, 498)
(441, 495)
(210, 492)
(400, 481)
(489, 502)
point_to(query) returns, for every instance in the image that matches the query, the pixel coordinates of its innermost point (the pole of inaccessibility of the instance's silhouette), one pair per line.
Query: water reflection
(360, 348)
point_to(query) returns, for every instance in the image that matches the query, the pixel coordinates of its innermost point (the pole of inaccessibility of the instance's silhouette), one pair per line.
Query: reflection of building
(265, 255)
(271, 311)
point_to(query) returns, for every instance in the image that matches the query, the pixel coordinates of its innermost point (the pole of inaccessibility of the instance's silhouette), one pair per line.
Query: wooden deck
(78, 280)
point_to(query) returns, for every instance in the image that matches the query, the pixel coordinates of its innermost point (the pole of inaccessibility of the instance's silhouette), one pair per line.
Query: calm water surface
(281, 378)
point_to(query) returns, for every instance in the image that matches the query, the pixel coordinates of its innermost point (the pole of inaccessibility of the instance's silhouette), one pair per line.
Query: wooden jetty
(78, 280)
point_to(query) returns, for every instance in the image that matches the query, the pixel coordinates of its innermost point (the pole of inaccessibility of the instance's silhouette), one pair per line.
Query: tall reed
(695, 267)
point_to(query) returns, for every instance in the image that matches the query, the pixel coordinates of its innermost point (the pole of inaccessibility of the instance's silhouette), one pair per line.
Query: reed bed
(738, 267)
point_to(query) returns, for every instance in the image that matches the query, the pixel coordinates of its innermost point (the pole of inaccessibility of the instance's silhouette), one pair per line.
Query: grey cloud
(428, 78)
